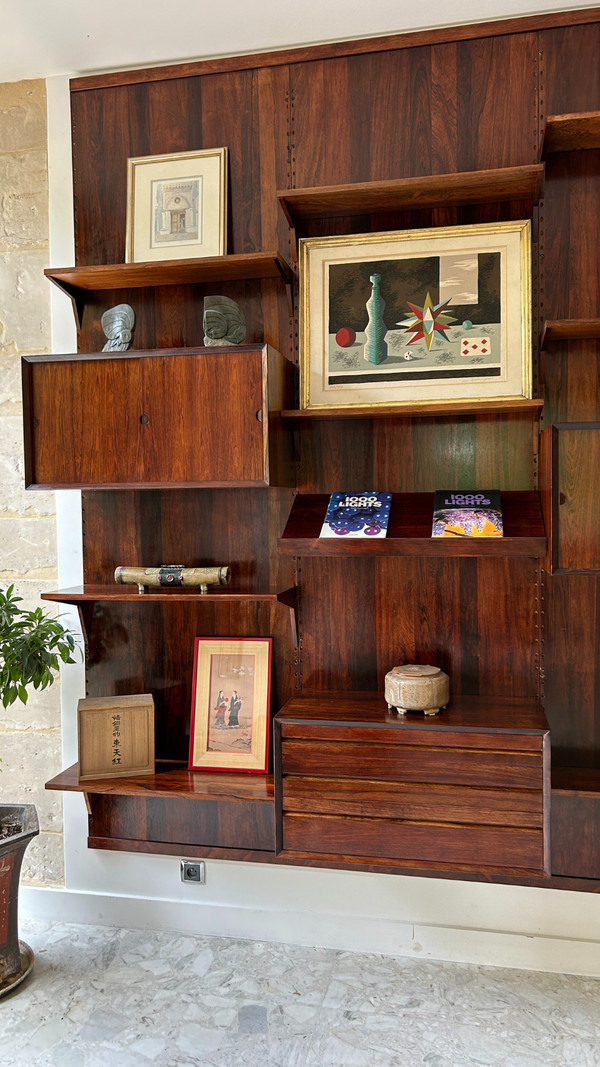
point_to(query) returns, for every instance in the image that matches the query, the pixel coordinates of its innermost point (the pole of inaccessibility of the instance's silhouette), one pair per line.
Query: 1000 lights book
(360, 514)
(467, 514)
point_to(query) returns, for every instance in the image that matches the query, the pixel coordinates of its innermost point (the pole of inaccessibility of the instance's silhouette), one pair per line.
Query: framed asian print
(416, 317)
(176, 206)
(231, 704)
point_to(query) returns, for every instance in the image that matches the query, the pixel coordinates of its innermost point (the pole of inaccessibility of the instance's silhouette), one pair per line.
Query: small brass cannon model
(172, 575)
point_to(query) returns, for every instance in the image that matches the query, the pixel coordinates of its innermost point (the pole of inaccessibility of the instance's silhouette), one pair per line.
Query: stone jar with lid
(417, 687)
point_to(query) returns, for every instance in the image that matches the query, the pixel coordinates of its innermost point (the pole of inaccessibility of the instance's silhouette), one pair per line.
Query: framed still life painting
(231, 704)
(417, 316)
(176, 206)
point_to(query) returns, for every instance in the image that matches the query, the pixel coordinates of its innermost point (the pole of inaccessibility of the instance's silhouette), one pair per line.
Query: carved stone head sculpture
(118, 323)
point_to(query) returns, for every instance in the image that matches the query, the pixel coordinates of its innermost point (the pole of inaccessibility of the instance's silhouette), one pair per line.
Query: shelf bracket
(289, 597)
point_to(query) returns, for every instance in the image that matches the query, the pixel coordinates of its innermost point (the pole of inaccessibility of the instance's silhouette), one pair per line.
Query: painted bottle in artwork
(375, 344)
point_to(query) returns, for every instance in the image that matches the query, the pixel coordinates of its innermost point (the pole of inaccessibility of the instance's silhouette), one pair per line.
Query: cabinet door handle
(144, 419)
(259, 415)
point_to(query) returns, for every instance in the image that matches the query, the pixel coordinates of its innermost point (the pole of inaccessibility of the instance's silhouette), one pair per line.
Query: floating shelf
(512, 406)
(408, 194)
(77, 281)
(569, 330)
(172, 780)
(409, 530)
(86, 593)
(82, 596)
(571, 133)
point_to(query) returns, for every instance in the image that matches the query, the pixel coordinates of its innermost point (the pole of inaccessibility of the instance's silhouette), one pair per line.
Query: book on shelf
(467, 513)
(357, 514)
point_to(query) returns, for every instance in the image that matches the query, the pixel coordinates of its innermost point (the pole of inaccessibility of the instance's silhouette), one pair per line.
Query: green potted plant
(32, 646)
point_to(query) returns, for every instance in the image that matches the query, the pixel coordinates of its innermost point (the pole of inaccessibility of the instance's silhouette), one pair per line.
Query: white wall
(539, 929)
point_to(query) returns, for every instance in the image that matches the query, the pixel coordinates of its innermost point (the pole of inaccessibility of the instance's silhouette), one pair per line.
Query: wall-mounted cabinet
(191, 417)
(467, 788)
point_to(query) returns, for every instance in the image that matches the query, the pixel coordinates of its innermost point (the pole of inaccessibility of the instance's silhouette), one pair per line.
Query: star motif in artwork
(426, 321)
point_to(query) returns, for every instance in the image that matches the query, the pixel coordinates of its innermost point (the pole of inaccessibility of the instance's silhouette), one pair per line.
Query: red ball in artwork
(345, 337)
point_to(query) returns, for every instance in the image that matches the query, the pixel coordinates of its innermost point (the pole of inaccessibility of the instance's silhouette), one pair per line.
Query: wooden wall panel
(240, 110)
(475, 619)
(570, 69)
(416, 455)
(572, 692)
(419, 111)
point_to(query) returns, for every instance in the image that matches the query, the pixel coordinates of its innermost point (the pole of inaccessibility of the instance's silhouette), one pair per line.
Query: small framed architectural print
(176, 206)
(416, 317)
(231, 704)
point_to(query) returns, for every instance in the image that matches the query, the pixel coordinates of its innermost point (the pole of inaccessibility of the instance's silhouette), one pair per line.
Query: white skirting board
(322, 929)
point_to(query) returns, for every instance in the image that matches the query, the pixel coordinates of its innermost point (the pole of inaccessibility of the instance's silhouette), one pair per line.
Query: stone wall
(30, 740)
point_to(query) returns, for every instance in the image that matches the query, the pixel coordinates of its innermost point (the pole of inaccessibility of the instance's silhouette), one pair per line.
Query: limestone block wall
(30, 740)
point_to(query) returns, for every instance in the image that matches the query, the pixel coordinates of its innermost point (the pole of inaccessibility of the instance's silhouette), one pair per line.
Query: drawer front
(454, 766)
(478, 847)
(400, 734)
(421, 802)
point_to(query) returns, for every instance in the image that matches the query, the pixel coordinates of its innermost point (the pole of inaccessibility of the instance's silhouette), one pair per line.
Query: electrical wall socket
(193, 871)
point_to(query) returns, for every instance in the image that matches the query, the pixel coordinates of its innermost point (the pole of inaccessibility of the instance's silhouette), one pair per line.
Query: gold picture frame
(176, 206)
(416, 317)
(231, 704)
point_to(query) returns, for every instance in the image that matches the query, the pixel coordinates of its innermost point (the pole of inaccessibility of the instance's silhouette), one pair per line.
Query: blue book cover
(357, 514)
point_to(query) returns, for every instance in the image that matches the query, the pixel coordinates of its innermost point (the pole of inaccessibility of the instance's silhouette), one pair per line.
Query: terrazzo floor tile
(103, 997)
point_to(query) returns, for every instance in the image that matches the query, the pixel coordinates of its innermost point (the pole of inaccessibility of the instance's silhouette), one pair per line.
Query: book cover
(359, 514)
(472, 513)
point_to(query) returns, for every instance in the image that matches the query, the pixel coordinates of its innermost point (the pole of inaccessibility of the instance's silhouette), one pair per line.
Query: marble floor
(104, 997)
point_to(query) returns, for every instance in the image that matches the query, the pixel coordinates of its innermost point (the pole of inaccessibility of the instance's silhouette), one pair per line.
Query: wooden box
(116, 736)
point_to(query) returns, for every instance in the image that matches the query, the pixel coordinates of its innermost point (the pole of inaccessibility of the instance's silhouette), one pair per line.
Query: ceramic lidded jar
(417, 687)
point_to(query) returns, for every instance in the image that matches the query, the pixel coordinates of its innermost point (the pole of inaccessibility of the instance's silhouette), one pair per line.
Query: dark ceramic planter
(16, 958)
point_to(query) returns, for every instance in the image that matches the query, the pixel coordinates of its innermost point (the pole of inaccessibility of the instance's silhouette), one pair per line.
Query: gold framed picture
(231, 704)
(416, 317)
(176, 206)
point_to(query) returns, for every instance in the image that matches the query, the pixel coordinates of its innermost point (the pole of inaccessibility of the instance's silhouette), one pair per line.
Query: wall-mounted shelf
(80, 596)
(569, 330)
(512, 406)
(76, 282)
(571, 133)
(173, 810)
(410, 194)
(409, 530)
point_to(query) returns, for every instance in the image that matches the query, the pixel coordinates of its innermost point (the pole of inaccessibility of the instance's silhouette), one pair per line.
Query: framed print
(176, 206)
(231, 704)
(417, 316)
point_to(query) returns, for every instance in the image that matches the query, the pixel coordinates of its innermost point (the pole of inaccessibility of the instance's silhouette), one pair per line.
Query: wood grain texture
(409, 530)
(219, 823)
(477, 847)
(151, 418)
(463, 99)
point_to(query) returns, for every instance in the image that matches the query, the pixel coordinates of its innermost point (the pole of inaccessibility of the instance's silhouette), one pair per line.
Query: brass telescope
(170, 576)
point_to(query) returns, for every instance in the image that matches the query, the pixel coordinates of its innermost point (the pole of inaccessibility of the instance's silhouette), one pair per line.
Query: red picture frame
(231, 704)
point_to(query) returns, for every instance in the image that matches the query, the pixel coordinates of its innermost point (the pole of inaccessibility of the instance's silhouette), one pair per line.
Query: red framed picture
(231, 701)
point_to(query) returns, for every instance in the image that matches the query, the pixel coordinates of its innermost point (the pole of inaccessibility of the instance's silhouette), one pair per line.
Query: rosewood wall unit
(312, 149)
